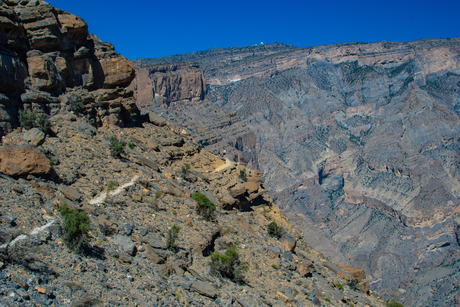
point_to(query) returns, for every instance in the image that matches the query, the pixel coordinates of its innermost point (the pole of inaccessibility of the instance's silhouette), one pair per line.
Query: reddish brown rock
(355, 273)
(23, 160)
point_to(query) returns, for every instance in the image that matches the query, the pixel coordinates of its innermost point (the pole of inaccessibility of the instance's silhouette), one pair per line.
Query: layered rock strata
(358, 144)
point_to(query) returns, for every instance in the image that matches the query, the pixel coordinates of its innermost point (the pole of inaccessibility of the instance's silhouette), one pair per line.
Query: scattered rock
(70, 193)
(205, 288)
(34, 137)
(126, 244)
(288, 241)
(157, 119)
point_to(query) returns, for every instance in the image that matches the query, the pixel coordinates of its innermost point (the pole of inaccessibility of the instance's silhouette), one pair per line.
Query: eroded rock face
(358, 143)
(47, 51)
(169, 84)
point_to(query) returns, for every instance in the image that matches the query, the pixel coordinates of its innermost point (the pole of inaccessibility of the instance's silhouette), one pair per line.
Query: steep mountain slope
(141, 214)
(358, 144)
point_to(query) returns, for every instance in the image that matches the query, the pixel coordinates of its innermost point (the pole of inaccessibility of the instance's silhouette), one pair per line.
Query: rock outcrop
(169, 84)
(49, 61)
(358, 143)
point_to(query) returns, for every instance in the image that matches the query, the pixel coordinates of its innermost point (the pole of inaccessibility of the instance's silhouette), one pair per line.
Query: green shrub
(243, 176)
(185, 170)
(131, 145)
(29, 120)
(274, 230)
(75, 228)
(353, 284)
(43, 123)
(205, 207)
(228, 265)
(172, 236)
(112, 186)
(159, 194)
(116, 147)
(75, 104)
(340, 286)
(394, 303)
(275, 266)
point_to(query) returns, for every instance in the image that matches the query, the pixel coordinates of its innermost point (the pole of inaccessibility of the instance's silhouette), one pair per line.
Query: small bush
(185, 170)
(29, 120)
(228, 265)
(243, 176)
(172, 236)
(159, 194)
(340, 286)
(112, 186)
(131, 145)
(117, 147)
(353, 284)
(275, 266)
(75, 228)
(274, 230)
(394, 303)
(205, 207)
(75, 104)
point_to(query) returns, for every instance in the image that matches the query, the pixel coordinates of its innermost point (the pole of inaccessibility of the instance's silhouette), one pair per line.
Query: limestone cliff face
(47, 53)
(359, 145)
(169, 84)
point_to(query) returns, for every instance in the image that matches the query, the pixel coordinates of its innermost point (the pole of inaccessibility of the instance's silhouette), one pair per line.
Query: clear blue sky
(151, 28)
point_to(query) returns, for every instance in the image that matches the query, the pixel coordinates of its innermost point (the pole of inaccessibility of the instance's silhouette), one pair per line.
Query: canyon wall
(359, 145)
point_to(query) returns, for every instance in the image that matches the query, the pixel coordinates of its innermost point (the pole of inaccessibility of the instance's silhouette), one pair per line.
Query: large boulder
(23, 160)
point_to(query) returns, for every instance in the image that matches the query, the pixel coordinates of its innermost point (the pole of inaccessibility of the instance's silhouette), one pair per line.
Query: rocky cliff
(49, 61)
(358, 144)
(167, 84)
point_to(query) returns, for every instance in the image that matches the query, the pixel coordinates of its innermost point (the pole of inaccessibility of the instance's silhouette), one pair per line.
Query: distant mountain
(359, 144)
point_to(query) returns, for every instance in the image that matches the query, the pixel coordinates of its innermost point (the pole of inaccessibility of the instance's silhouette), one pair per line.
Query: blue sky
(150, 28)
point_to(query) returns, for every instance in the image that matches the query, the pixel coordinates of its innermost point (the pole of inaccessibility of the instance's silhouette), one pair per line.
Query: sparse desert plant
(394, 303)
(172, 236)
(353, 284)
(112, 186)
(243, 176)
(131, 145)
(75, 228)
(274, 230)
(228, 265)
(205, 207)
(75, 104)
(185, 170)
(117, 147)
(29, 120)
(159, 194)
(340, 286)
